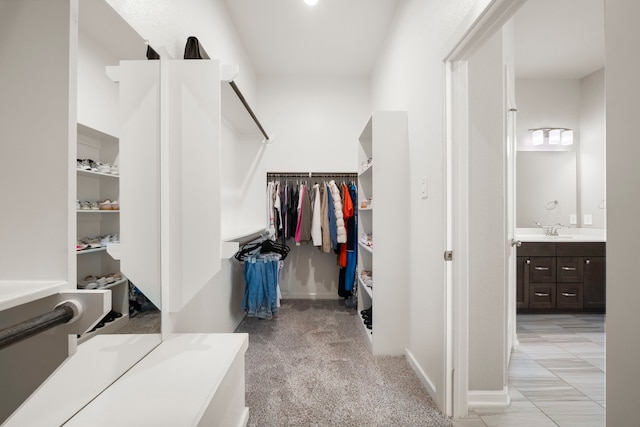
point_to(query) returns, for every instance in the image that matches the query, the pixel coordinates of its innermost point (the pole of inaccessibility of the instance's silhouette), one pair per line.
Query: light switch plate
(573, 219)
(424, 187)
(588, 219)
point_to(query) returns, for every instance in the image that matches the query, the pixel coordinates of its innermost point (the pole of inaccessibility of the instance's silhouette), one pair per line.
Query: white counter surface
(564, 235)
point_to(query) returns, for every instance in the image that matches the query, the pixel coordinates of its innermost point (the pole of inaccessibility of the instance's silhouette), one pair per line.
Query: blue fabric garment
(352, 238)
(261, 282)
(333, 227)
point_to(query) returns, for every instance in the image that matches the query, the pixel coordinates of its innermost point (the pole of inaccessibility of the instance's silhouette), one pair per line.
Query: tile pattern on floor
(556, 375)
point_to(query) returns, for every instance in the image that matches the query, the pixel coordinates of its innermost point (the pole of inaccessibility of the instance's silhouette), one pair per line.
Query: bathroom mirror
(546, 187)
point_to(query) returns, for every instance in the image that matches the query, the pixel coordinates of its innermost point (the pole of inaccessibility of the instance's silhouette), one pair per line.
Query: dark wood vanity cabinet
(557, 276)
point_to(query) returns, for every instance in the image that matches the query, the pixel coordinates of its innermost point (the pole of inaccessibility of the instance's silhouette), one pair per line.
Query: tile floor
(556, 376)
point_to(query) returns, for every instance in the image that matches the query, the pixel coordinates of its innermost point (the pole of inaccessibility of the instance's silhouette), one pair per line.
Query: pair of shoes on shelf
(367, 317)
(100, 167)
(108, 205)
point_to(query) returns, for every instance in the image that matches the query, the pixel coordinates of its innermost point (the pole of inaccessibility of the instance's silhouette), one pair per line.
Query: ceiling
(334, 37)
(561, 39)
(554, 38)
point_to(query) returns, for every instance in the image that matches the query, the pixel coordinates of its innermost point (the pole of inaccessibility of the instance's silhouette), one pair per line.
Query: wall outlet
(573, 219)
(424, 187)
(588, 219)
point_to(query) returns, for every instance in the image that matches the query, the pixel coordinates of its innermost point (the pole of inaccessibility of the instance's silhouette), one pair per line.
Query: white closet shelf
(366, 288)
(15, 293)
(91, 251)
(231, 237)
(108, 328)
(96, 365)
(365, 247)
(108, 286)
(95, 211)
(365, 209)
(82, 172)
(366, 171)
(187, 380)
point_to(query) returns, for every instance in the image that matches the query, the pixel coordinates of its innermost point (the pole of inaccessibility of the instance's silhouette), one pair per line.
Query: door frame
(483, 21)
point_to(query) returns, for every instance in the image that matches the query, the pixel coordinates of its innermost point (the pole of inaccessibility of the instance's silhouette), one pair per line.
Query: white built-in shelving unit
(383, 229)
(95, 187)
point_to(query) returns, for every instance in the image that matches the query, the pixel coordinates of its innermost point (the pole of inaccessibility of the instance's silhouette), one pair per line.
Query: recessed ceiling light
(311, 2)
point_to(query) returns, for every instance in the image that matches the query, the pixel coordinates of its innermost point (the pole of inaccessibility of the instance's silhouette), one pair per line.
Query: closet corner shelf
(90, 251)
(18, 292)
(95, 211)
(109, 286)
(82, 172)
(365, 247)
(370, 208)
(366, 288)
(106, 329)
(368, 332)
(367, 170)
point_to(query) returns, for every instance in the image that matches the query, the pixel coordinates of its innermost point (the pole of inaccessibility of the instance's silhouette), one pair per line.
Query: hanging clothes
(347, 213)
(316, 226)
(337, 202)
(261, 286)
(324, 219)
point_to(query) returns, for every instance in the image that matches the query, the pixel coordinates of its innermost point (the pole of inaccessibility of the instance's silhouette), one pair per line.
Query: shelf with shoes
(98, 222)
(384, 141)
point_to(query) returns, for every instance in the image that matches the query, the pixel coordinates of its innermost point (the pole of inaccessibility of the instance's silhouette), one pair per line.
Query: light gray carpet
(145, 322)
(312, 366)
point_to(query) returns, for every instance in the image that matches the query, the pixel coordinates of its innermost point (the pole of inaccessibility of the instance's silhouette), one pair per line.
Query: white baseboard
(332, 296)
(424, 378)
(237, 322)
(488, 399)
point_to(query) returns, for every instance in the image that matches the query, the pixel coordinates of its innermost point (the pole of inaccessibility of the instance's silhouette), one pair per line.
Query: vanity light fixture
(553, 136)
(537, 137)
(567, 137)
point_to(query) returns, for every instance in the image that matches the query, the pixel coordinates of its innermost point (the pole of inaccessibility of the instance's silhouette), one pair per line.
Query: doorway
(460, 212)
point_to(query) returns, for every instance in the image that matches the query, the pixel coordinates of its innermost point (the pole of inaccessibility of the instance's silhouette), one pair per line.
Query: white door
(510, 204)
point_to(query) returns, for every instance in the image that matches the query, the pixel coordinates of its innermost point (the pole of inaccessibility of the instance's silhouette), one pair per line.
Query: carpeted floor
(312, 366)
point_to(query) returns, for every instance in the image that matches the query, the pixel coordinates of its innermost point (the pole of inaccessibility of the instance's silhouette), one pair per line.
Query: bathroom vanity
(561, 274)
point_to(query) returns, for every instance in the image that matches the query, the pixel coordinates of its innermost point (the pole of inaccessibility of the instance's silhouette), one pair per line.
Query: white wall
(592, 161)
(409, 76)
(316, 123)
(37, 144)
(487, 257)
(623, 317)
(544, 103)
(167, 24)
(576, 104)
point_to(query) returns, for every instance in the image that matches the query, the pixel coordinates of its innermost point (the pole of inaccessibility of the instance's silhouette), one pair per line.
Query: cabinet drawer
(570, 269)
(570, 295)
(542, 295)
(542, 269)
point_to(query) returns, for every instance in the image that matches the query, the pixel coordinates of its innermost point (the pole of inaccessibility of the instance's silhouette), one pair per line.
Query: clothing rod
(30, 327)
(254, 236)
(311, 174)
(249, 110)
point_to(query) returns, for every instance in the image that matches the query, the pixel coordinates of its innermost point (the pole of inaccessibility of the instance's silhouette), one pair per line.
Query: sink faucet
(553, 231)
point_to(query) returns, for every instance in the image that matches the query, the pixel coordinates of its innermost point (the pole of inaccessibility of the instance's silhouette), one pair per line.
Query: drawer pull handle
(541, 294)
(569, 268)
(569, 294)
(541, 268)
(587, 262)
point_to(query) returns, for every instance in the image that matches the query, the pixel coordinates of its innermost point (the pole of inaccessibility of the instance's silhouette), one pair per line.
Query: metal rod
(249, 110)
(30, 327)
(254, 236)
(311, 174)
